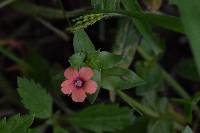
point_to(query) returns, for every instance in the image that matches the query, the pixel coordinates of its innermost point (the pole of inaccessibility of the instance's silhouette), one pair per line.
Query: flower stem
(177, 87)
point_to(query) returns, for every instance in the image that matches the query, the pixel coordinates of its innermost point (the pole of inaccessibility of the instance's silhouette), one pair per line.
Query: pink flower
(78, 83)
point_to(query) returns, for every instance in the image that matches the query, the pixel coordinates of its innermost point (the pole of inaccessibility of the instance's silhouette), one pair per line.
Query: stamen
(78, 83)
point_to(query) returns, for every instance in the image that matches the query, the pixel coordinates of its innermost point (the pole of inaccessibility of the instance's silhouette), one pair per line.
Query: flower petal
(86, 73)
(78, 95)
(90, 87)
(67, 87)
(70, 72)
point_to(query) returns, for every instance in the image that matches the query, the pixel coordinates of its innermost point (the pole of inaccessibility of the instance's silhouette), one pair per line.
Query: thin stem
(145, 55)
(135, 104)
(64, 13)
(177, 87)
(60, 103)
(58, 32)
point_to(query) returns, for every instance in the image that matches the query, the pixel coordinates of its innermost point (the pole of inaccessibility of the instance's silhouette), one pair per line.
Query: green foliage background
(138, 101)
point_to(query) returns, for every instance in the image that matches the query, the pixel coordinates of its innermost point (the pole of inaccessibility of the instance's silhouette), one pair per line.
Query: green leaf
(144, 28)
(16, 124)
(144, 21)
(82, 42)
(58, 129)
(93, 60)
(126, 41)
(100, 118)
(96, 60)
(35, 98)
(117, 78)
(165, 21)
(77, 60)
(187, 129)
(190, 13)
(108, 60)
(147, 70)
(191, 72)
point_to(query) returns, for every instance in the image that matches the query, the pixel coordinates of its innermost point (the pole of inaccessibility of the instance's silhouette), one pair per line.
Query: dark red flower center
(78, 83)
